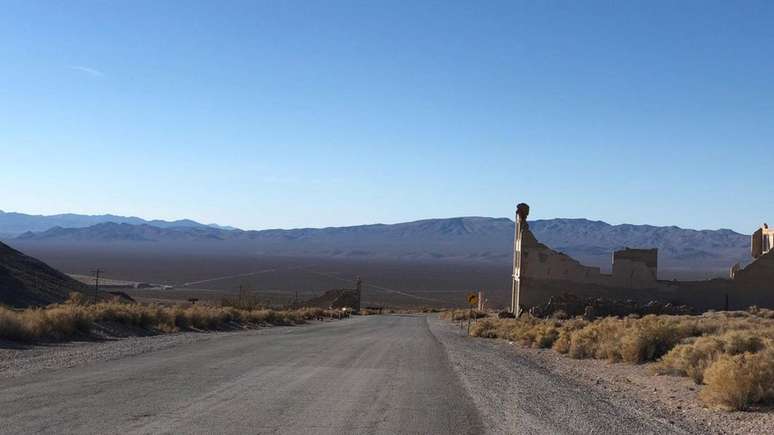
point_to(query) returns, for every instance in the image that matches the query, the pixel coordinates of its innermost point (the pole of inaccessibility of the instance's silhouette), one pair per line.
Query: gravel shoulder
(520, 393)
(516, 388)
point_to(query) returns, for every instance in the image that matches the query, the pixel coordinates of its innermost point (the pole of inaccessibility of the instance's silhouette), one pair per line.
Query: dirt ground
(674, 397)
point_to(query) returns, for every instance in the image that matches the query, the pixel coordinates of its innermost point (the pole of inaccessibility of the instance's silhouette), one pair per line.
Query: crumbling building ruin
(762, 241)
(540, 272)
(635, 268)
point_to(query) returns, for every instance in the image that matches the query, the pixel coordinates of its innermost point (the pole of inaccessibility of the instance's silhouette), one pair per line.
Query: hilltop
(26, 281)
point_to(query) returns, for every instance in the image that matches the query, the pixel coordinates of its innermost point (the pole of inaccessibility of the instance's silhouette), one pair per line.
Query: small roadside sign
(473, 299)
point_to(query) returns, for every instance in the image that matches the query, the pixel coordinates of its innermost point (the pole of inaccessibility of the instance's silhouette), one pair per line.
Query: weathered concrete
(762, 241)
(635, 268)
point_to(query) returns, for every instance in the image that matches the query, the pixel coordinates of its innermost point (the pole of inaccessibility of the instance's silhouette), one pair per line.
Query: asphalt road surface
(375, 374)
(379, 374)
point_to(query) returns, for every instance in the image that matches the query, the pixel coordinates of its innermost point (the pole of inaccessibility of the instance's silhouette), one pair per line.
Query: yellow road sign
(473, 298)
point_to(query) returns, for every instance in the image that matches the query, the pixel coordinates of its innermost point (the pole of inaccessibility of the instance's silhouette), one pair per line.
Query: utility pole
(359, 288)
(96, 274)
(522, 211)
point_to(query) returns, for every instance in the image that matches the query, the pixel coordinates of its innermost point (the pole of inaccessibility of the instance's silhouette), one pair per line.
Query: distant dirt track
(221, 278)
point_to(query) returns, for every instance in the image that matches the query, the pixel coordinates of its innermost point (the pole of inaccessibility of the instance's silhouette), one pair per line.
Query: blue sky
(267, 114)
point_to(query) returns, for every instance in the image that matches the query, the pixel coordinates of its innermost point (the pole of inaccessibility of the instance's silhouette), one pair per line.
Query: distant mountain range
(682, 252)
(12, 224)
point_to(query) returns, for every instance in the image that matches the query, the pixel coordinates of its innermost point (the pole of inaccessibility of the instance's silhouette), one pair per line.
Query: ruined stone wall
(543, 263)
(635, 268)
(632, 268)
(757, 275)
(540, 273)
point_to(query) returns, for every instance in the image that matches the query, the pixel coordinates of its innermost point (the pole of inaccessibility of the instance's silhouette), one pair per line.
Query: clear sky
(267, 114)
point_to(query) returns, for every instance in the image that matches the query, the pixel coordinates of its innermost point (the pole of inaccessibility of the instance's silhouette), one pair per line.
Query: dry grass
(465, 314)
(736, 382)
(732, 353)
(369, 312)
(60, 322)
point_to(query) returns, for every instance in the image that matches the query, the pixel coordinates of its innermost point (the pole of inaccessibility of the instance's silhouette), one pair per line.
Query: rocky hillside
(26, 281)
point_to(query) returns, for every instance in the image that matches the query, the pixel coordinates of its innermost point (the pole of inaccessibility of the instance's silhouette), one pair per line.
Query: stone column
(522, 211)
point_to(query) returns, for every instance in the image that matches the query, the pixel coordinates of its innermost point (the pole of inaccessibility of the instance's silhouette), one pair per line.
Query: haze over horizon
(389, 112)
(150, 219)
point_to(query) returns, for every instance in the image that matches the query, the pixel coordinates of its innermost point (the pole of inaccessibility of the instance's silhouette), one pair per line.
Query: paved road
(378, 374)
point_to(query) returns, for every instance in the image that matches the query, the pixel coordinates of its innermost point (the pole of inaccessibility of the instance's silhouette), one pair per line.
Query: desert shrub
(58, 322)
(736, 342)
(65, 321)
(486, 328)
(765, 313)
(244, 302)
(564, 339)
(736, 382)
(731, 352)
(599, 339)
(77, 298)
(651, 337)
(546, 336)
(527, 331)
(11, 325)
(445, 315)
(457, 315)
(312, 313)
(634, 340)
(540, 335)
(691, 359)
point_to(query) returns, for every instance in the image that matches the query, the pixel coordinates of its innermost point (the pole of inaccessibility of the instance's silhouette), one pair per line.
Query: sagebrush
(63, 321)
(732, 353)
(462, 314)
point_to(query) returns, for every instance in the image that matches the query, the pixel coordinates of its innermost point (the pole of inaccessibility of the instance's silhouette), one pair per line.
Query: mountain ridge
(14, 223)
(474, 238)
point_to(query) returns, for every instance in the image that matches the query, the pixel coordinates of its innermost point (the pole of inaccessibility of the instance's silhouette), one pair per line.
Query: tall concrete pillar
(522, 211)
